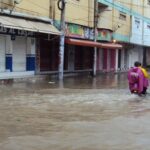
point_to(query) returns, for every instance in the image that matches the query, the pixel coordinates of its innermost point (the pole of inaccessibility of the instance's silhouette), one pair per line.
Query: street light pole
(61, 7)
(95, 36)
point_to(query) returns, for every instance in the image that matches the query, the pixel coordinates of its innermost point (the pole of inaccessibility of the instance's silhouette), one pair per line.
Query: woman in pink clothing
(138, 82)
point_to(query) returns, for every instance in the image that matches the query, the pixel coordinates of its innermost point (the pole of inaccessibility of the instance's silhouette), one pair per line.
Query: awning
(28, 25)
(93, 44)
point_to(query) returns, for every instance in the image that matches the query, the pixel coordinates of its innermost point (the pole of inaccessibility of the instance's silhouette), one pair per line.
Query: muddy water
(81, 114)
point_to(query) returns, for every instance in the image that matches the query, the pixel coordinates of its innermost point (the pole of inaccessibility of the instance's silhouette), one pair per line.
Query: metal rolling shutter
(19, 54)
(2, 53)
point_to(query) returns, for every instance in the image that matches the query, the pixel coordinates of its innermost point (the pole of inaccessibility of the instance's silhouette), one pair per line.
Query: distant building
(129, 22)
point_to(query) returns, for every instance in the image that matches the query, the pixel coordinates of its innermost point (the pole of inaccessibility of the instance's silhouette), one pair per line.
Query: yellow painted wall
(78, 11)
(146, 9)
(82, 12)
(121, 26)
(105, 18)
(140, 6)
(33, 7)
(137, 5)
(109, 17)
(5, 4)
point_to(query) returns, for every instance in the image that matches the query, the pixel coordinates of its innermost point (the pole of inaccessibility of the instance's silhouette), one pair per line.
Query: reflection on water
(81, 113)
(100, 82)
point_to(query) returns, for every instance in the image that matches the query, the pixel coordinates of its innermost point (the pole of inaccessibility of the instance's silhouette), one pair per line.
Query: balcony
(104, 17)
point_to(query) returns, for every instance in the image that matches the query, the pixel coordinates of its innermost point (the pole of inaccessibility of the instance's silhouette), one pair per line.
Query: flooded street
(84, 113)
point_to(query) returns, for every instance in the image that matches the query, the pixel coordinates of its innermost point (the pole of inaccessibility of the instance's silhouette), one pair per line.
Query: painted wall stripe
(30, 63)
(9, 62)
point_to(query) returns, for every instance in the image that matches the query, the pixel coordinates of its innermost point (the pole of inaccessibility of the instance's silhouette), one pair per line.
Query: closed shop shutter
(19, 54)
(2, 53)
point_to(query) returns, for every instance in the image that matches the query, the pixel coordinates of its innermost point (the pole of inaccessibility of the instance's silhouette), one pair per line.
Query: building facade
(129, 22)
(30, 35)
(24, 28)
(80, 32)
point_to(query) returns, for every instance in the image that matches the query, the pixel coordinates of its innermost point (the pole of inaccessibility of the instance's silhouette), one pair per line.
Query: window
(137, 23)
(122, 16)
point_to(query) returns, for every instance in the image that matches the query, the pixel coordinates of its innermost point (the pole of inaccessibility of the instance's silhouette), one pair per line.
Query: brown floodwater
(82, 113)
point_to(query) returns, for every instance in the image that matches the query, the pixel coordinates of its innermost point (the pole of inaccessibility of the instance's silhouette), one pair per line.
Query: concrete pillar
(71, 58)
(116, 68)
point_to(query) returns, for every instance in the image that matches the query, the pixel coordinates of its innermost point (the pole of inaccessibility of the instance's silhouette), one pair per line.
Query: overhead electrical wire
(71, 19)
(74, 19)
(77, 5)
(18, 7)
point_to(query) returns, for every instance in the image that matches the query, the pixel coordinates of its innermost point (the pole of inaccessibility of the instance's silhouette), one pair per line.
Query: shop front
(80, 49)
(47, 52)
(84, 51)
(18, 45)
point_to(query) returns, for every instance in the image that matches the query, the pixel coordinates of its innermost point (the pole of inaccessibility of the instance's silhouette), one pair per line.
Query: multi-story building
(30, 42)
(79, 46)
(25, 28)
(128, 20)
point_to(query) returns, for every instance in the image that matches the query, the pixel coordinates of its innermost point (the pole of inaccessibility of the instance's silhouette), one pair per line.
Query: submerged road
(84, 113)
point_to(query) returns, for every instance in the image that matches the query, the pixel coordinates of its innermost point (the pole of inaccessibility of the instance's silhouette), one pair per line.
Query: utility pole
(143, 33)
(95, 36)
(61, 6)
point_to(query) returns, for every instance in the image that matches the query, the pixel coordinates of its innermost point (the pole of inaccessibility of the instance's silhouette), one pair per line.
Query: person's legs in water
(144, 90)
